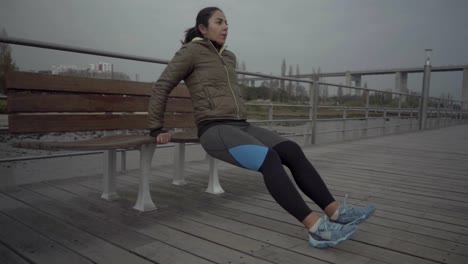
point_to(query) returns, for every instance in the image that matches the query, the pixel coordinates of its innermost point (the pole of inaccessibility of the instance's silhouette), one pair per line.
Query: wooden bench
(40, 103)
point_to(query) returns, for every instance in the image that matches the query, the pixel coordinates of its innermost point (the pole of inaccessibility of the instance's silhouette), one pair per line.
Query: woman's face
(217, 28)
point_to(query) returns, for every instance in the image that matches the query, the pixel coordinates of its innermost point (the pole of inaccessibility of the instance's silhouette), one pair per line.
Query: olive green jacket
(211, 79)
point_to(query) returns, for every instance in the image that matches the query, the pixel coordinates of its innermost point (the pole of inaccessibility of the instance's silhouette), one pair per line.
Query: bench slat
(47, 82)
(39, 102)
(92, 122)
(102, 143)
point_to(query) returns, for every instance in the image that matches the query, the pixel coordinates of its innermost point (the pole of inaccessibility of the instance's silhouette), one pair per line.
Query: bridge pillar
(357, 82)
(465, 89)
(401, 84)
(348, 81)
(252, 83)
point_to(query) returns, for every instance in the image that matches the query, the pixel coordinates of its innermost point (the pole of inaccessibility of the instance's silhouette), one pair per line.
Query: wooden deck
(418, 181)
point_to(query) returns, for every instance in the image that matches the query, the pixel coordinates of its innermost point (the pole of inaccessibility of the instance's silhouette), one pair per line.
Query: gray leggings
(262, 150)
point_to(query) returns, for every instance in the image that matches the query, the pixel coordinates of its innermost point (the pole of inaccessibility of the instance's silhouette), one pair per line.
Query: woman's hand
(163, 138)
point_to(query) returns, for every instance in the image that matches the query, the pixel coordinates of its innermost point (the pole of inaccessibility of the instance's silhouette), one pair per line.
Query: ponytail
(190, 34)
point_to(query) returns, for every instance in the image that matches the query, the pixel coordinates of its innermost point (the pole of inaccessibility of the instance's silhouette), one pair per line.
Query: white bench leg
(144, 202)
(109, 169)
(179, 164)
(213, 185)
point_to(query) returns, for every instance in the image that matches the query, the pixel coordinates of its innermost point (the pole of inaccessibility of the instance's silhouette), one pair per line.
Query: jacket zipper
(229, 81)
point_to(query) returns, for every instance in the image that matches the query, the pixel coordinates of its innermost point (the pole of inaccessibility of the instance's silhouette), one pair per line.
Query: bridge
(354, 78)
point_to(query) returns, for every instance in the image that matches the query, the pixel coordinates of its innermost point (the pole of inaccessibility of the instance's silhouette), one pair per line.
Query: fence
(443, 116)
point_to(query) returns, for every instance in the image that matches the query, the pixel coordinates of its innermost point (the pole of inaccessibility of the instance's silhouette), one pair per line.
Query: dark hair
(202, 18)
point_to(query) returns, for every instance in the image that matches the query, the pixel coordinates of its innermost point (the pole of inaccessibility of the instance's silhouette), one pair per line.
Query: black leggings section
(306, 177)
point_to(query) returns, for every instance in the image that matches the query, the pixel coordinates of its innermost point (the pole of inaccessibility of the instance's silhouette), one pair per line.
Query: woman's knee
(287, 147)
(272, 159)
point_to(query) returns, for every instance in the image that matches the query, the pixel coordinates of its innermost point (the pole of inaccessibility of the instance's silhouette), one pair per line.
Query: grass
(3, 106)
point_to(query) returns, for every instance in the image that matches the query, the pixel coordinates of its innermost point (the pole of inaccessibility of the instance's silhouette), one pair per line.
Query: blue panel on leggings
(249, 156)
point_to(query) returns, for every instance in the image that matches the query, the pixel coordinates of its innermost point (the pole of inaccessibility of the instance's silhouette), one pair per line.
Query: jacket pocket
(208, 97)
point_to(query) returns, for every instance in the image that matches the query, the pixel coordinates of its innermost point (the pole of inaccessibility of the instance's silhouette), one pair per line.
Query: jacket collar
(211, 44)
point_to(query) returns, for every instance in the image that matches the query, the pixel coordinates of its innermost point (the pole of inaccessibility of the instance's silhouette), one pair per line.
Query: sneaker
(330, 234)
(353, 215)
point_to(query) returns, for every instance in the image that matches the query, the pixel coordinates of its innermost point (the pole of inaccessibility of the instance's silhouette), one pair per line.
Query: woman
(208, 69)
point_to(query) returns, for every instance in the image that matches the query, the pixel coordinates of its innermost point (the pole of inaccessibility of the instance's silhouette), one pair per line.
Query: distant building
(100, 70)
(102, 67)
(59, 69)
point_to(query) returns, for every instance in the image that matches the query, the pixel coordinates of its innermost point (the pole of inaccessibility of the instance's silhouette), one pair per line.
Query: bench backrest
(41, 103)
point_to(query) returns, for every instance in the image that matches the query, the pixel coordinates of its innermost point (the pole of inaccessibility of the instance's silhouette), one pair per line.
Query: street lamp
(425, 91)
(428, 56)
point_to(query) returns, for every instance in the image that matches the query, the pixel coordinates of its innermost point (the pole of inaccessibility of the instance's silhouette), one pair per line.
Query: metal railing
(313, 106)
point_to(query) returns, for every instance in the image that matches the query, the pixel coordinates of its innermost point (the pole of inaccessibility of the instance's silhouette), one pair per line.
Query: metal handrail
(75, 49)
(313, 106)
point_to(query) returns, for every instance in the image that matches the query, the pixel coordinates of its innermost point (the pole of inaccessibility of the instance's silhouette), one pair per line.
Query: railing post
(308, 137)
(367, 112)
(399, 112)
(315, 108)
(345, 115)
(425, 92)
(123, 157)
(270, 115)
(384, 120)
(411, 119)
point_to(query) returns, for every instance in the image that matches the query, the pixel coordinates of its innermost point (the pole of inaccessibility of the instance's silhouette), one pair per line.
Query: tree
(290, 84)
(283, 73)
(243, 68)
(6, 62)
(297, 83)
(340, 94)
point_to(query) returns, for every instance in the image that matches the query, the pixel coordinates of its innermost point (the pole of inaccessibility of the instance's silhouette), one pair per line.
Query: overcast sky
(335, 35)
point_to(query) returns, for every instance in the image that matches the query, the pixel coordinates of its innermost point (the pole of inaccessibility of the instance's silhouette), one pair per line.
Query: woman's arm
(178, 68)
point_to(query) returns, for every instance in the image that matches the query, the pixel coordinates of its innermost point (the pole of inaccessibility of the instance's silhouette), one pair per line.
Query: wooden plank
(434, 253)
(92, 122)
(280, 243)
(390, 218)
(69, 236)
(163, 253)
(89, 220)
(129, 142)
(34, 246)
(65, 123)
(391, 180)
(40, 102)
(406, 169)
(10, 257)
(101, 228)
(199, 247)
(47, 82)
(200, 229)
(364, 236)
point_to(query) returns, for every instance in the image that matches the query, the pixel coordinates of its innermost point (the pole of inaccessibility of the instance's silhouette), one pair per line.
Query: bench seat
(127, 142)
(42, 103)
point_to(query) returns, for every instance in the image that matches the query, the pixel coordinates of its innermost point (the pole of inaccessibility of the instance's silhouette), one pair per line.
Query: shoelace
(323, 223)
(345, 205)
(326, 225)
